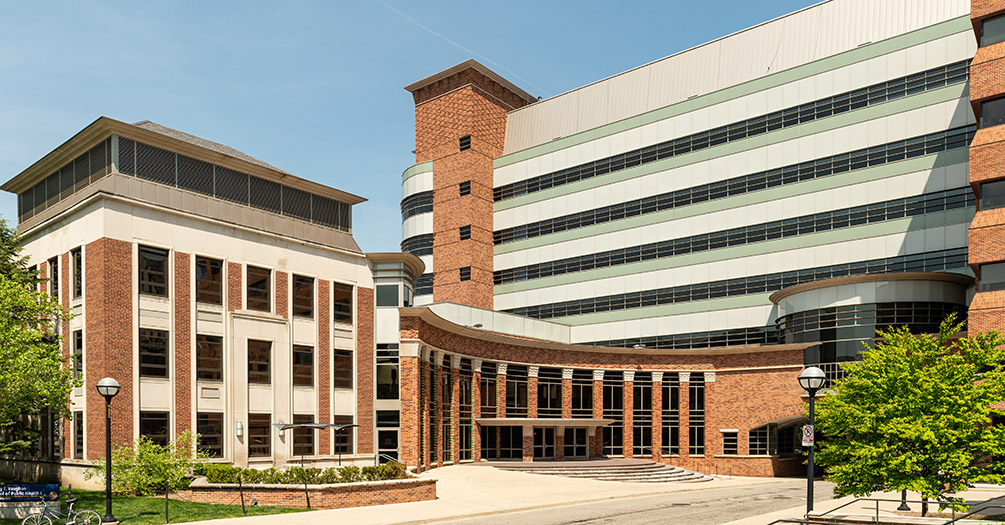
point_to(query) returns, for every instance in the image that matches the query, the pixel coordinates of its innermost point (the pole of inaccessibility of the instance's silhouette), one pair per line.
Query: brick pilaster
(532, 397)
(283, 294)
(455, 412)
(64, 299)
(476, 412)
(410, 407)
(628, 432)
(235, 292)
(597, 443)
(364, 370)
(324, 366)
(182, 342)
(685, 397)
(657, 420)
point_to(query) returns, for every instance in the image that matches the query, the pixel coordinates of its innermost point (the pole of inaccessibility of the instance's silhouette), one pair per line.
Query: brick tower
(460, 125)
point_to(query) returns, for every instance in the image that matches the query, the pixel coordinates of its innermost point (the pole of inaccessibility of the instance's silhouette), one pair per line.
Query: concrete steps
(637, 472)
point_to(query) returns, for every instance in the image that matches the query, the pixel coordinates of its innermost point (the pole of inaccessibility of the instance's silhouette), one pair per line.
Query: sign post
(807, 435)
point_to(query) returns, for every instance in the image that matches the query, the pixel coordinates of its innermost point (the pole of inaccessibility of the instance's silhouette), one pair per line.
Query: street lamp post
(108, 387)
(812, 379)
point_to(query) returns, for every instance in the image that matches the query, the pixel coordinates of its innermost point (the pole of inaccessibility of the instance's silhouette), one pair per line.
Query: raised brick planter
(334, 496)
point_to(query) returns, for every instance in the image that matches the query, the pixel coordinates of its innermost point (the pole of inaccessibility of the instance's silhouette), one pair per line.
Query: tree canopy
(33, 375)
(915, 414)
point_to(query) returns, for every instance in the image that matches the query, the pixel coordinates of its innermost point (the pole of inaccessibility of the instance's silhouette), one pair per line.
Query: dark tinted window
(992, 30)
(210, 428)
(303, 437)
(343, 438)
(54, 277)
(303, 365)
(153, 353)
(259, 360)
(208, 280)
(78, 435)
(387, 295)
(342, 368)
(992, 112)
(78, 353)
(992, 277)
(77, 260)
(993, 195)
(259, 288)
(154, 426)
(303, 296)
(259, 435)
(342, 303)
(153, 271)
(209, 357)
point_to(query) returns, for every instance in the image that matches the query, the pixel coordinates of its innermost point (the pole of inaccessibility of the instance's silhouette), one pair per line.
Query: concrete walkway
(475, 490)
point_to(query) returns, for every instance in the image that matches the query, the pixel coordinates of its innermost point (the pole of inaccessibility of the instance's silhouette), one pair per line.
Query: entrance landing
(624, 470)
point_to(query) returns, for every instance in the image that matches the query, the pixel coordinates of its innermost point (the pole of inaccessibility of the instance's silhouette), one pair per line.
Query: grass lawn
(140, 510)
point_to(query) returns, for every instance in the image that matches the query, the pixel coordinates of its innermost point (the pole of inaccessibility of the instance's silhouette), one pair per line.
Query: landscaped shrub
(217, 473)
(144, 468)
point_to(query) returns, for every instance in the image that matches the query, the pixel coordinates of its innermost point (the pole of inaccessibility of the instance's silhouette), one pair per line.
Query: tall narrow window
(642, 414)
(154, 426)
(153, 353)
(466, 273)
(582, 393)
(78, 435)
(516, 391)
(209, 357)
(303, 437)
(671, 414)
(54, 278)
(342, 368)
(387, 371)
(992, 30)
(259, 289)
(259, 435)
(153, 271)
(465, 188)
(465, 142)
(696, 416)
(77, 260)
(614, 403)
(343, 438)
(729, 443)
(208, 280)
(209, 425)
(342, 303)
(465, 232)
(303, 296)
(303, 365)
(259, 361)
(78, 353)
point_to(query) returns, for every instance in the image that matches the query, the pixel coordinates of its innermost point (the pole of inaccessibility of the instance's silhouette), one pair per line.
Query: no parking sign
(807, 435)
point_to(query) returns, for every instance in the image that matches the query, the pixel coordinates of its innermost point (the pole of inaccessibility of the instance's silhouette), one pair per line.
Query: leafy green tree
(33, 377)
(915, 415)
(144, 467)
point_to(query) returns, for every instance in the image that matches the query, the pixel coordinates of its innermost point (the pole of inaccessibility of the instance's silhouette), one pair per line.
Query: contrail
(462, 48)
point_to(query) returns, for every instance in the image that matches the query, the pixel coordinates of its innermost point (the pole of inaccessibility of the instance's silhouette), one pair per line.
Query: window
(465, 232)
(303, 437)
(696, 416)
(516, 391)
(992, 277)
(614, 402)
(209, 425)
(259, 359)
(582, 393)
(209, 357)
(465, 142)
(343, 438)
(489, 390)
(387, 371)
(342, 303)
(342, 368)
(387, 295)
(153, 271)
(54, 278)
(77, 260)
(465, 188)
(303, 296)
(208, 280)
(153, 353)
(761, 441)
(78, 353)
(154, 426)
(549, 392)
(993, 195)
(259, 435)
(259, 289)
(730, 445)
(466, 273)
(992, 112)
(992, 30)
(78, 435)
(388, 419)
(303, 365)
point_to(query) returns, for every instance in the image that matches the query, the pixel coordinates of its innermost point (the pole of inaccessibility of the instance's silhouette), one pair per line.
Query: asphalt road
(704, 507)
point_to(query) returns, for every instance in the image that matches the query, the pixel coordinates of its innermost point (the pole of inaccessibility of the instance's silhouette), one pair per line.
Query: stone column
(628, 433)
(567, 393)
(476, 409)
(597, 439)
(532, 390)
(658, 416)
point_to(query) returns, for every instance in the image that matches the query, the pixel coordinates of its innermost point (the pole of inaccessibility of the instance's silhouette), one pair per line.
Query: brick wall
(364, 370)
(338, 496)
(283, 294)
(235, 276)
(64, 299)
(324, 366)
(109, 326)
(183, 342)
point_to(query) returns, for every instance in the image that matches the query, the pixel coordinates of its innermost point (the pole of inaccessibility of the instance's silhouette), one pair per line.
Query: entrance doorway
(544, 443)
(575, 443)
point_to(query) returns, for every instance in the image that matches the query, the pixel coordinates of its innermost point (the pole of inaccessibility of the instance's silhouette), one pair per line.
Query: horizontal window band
(868, 96)
(418, 245)
(924, 262)
(424, 284)
(806, 224)
(929, 144)
(755, 335)
(415, 204)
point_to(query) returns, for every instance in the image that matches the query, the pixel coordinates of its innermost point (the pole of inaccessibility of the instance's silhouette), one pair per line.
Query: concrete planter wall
(334, 496)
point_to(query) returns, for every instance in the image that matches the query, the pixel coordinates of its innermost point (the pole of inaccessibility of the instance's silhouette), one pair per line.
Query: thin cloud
(462, 48)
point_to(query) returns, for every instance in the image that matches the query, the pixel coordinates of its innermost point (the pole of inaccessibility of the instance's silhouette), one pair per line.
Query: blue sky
(314, 88)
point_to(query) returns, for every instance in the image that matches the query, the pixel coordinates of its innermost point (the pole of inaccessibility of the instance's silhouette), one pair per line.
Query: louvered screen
(26, 204)
(66, 181)
(127, 156)
(81, 170)
(266, 195)
(99, 161)
(52, 189)
(39, 196)
(345, 217)
(155, 164)
(296, 203)
(325, 211)
(195, 175)
(231, 185)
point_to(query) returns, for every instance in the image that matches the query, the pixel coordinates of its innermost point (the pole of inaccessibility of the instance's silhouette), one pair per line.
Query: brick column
(283, 294)
(455, 408)
(713, 439)
(235, 276)
(501, 388)
(426, 401)
(324, 367)
(528, 443)
(476, 409)
(364, 370)
(410, 411)
(438, 407)
(560, 444)
(685, 431)
(64, 299)
(567, 393)
(657, 416)
(597, 443)
(182, 342)
(629, 398)
(532, 390)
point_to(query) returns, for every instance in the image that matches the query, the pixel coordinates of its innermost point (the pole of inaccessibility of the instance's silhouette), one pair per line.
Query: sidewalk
(479, 490)
(866, 510)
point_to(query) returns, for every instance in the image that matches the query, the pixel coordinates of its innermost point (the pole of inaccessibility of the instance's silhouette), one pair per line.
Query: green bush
(219, 473)
(145, 467)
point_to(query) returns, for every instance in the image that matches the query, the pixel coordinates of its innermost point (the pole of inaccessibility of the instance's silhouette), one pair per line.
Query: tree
(144, 467)
(33, 378)
(915, 414)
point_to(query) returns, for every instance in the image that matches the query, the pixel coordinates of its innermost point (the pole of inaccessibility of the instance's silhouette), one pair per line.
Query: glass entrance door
(575, 443)
(544, 443)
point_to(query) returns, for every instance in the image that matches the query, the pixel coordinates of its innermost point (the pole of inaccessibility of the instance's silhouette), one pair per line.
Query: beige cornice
(870, 278)
(414, 263)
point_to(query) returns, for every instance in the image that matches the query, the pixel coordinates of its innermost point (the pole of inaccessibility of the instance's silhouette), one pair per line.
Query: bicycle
(81, 517)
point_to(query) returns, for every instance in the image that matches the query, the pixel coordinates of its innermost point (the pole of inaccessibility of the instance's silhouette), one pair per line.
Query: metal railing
(952, 505)
(833, 371)
(380, 459)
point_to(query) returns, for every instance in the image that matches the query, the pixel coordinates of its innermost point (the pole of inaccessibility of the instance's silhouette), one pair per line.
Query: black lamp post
(108, 387)
(812, 379)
